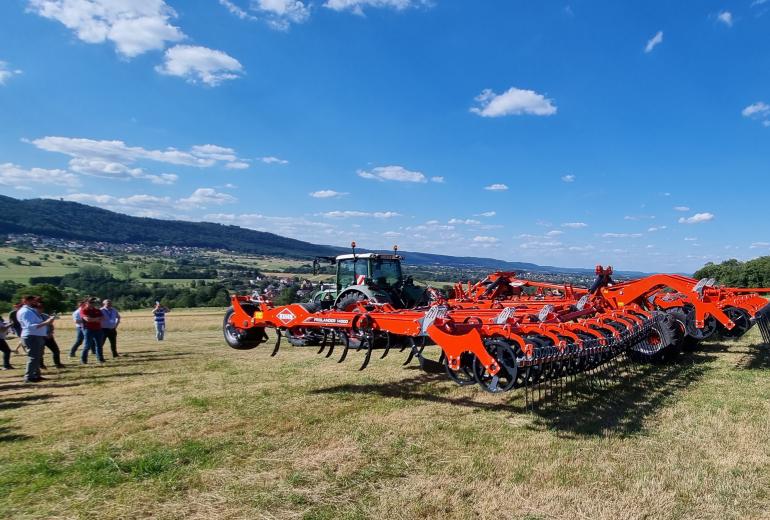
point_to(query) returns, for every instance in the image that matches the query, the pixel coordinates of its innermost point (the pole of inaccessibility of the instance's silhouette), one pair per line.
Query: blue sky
(563, 133)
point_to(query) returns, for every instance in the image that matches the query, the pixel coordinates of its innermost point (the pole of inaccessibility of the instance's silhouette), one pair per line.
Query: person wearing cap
(34, 330)
(92, 330)
(110, 322)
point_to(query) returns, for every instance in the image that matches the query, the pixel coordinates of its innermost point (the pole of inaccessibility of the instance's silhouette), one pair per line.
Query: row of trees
(752, 273)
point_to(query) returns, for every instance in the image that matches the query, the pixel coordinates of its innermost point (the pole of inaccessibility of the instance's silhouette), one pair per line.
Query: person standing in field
(78, 331)
(110, 322)
(15, 325)
(34, 330)
(50, 343)
(92, 330)
(4, 348)
(159, 313)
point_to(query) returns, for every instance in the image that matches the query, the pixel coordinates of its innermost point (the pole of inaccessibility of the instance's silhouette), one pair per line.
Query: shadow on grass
(619, 407)
(11, 403)
(757, 357)
(7, 435)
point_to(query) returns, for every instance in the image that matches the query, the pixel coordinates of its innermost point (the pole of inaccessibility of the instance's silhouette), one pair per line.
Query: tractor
(374, 278)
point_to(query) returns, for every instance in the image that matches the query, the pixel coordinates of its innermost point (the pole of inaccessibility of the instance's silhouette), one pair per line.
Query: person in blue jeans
(92, 330)
(78, 332)
(34, 330)
(159, 316)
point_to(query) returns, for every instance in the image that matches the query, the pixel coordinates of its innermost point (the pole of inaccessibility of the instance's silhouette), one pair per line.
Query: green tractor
(373, 277)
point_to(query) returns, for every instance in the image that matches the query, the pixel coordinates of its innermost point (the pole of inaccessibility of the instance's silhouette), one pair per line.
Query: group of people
(94, 326)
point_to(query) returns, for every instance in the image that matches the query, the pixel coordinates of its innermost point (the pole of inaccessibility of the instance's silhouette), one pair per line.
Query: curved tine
(370, 340)
(387, 345)
(323, 341)
(346, 342)
(412, 352)
(333, 342)
(277, 343)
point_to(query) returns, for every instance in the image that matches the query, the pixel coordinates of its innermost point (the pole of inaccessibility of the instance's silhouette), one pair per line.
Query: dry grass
(188, 428)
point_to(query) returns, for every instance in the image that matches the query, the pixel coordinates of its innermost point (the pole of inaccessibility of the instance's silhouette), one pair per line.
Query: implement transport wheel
(464, 375)
(742, 322)
(663, 342)
(241, 339)
(505, 379)
(688, 343)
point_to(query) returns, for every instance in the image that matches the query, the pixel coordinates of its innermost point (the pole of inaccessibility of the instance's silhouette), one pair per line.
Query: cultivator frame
(503, 339)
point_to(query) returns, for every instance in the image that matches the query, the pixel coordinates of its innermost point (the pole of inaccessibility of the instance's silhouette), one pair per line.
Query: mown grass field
(188, 428)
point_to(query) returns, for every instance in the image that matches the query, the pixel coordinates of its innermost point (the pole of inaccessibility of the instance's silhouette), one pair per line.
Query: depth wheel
(505, 357)
(464, 375)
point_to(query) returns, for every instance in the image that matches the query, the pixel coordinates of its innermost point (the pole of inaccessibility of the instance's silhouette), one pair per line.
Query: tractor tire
(669, 338)
(241, 339)
(688, 343)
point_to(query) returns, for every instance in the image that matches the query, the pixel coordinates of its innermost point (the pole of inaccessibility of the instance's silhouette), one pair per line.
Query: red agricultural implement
(505, 332)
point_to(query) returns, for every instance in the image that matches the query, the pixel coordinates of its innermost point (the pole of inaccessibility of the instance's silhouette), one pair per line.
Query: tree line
(734, 273)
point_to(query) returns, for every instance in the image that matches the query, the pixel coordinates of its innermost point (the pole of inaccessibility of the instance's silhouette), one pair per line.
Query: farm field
(188, 428)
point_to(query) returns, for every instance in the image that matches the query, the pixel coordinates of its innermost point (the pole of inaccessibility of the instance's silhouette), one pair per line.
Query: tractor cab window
(386, 272)
(349, 270)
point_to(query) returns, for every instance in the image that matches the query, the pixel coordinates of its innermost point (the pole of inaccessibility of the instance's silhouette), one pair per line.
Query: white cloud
(20, 178)
(236, 10)
(112, 157)
(690, 239)
(513, 101)
(437, 179)
(6, 73)
(656, 228)
(327, 194)
(114, 170)
(487, 214)
(726, 17)
(654, 42)
(360, 214)
(574, 225)
(554, 233)
(681, 208)
(273, 160)
(548, 244)
(134, 27)
(204, 197)
(357, 6)
(621, 235)
(468, 221)
(195, 63)
(282, 13)
(485, 240)
(568, 178)
(237, 165)
(698, 218)
(759, 110)
(581, 249)
(496, 187)
(759, 245)
(392, 173)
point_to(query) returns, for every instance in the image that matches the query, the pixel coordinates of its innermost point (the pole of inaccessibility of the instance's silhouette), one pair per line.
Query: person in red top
(92, 330)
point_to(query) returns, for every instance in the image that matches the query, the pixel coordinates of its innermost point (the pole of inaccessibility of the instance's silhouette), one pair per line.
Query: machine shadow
(756, 357)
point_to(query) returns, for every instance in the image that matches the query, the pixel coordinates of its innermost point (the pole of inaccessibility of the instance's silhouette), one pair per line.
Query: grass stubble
(188, 428)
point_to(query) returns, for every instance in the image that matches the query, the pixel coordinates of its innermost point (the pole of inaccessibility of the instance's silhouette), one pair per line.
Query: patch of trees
(752, 273)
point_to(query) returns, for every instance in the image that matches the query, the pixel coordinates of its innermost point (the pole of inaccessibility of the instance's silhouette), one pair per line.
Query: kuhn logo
(286, 316)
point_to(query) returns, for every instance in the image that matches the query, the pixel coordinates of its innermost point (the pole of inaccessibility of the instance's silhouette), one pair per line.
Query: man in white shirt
(110, 322)
(34, 330)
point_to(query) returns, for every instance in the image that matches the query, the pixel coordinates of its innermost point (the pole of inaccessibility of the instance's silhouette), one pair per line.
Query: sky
(567, 133)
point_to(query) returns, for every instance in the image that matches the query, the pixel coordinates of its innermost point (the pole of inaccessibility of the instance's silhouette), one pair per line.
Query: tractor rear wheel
(241, 339)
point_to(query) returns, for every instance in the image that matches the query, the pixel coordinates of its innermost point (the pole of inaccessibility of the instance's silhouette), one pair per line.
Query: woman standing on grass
(92, 330)
(159, 313)
(6, 350)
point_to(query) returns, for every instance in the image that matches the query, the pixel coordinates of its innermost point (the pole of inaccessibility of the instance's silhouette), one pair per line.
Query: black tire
(668, 338)
(742, 321)
(241, 339)
(687, 343)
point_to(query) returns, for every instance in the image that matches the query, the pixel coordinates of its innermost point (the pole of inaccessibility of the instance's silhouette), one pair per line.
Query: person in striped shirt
(159, 313)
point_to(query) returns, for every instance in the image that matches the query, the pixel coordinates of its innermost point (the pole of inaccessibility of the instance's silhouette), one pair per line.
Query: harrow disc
(742, 322)
(505, 379)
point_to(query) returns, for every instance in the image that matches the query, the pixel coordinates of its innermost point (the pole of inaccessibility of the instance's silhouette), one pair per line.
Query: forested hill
(733, 273)
(75, 221)
(71, 220)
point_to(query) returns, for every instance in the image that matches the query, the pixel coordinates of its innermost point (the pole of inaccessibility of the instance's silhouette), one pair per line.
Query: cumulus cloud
(7, 73)
(115, 170)
(199, 64)
(698, 218)
(133, 27)
(273, 160)
(144, 205)
(759, 245)
(360, 214)
(758, 109)
(496, 187)
(467, 221)
(656, 228)
(437, 179)
(280, 14)
(621, 235)
(568, 178)
(481, 239)
(554, 233)
(654, 42)
(357, 6)
(236, 10)
(392, 173)
(513, 101)
(487, 214)
(204, 197)
(681, 208)
(15, 176)
(574, 225)
(327, 194)
(725, 17)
